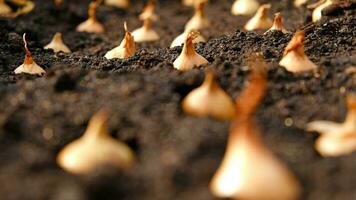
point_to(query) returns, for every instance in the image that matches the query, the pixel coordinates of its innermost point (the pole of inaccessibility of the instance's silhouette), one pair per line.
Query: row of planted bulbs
(247, 163)
(240, 7)
(294, 59)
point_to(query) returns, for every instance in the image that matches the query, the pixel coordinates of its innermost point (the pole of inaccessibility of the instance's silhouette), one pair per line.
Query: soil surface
(177, 154)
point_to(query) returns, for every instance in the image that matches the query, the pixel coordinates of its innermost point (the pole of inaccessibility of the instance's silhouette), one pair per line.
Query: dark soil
(177, 154)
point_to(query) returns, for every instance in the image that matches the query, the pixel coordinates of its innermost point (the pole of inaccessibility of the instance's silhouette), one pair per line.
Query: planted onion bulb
(260, 20)
(248, 165)
(126, 48)
(149, 12)
(189, 58)
(179, 40)
(4, 8)
(209, 100)
(199, 20)
(57, 44)
(91, 25)
(298, 3)
(244, 7)
(318, 8)
(29, 66)
(294, 58)
(146, 33)
(123, 4)
(277, 24)
(95, 148)
(337, 139)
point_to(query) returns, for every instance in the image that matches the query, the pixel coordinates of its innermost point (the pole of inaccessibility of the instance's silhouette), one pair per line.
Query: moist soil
(177, 154)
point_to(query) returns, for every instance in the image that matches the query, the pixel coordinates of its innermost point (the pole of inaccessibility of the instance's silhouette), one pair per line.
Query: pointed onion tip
(189, 58)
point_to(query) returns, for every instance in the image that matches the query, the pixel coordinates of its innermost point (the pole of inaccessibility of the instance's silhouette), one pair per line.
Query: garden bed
(177, 154)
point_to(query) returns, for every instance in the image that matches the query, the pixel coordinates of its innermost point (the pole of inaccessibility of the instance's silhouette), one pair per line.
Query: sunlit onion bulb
(91, 25)
(248, 166)
(248, 169)
(260, 20)
(277, 24)
(179, 40)
(146, 33)
(337, 139)
(29, 66)
(149, 12)
(94, 149)
(318, 8)
(199, 21)
(294, 58)
(244, 7)
(189, 58)
(209, 100)
(57, 44)
(126, 48)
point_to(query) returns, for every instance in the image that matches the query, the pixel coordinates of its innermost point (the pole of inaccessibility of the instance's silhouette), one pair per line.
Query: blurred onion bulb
(149, 12)
(199, 20)
(189, 58)
(25, 6)
(145, 33)
(248, 165)
(95, 148)
(91, 25)
(209, 100)
(337, 138)
(294, 58)
(57, 44)
(298, 3)
(4, 8)
(123, 4)
(179, 40)
(260, 20)
(21, 7)
(244, 7)
(58, 2)
(29, 66)
(318, 8)
(190, 3)
(126, 48)
(277, 24)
